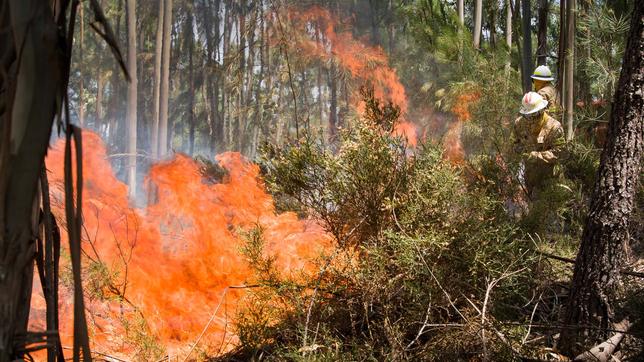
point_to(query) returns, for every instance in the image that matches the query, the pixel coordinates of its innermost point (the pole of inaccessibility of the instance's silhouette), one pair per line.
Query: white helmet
(542, 73)
(532, 102)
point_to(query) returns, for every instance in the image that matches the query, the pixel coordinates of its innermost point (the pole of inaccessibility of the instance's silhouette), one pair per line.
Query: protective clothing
(549, 93)
(542, 72)
(538, 139)
(532, 102)
(542, 78)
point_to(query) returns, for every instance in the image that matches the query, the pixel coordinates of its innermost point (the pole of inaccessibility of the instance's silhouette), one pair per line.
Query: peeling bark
(596, 278)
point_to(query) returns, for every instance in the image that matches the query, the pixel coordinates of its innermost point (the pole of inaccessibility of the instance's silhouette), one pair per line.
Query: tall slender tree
(165, 79)
(561, 51)
(478, 18)
(606, 232)
(81, 85)
(571, 15)
(191, 75)
(158, 49)
(508, 25)
(526, 56)
(132, 97)
(542, 32)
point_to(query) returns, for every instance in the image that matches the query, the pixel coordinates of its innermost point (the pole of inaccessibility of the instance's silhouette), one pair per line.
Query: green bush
(418, 249)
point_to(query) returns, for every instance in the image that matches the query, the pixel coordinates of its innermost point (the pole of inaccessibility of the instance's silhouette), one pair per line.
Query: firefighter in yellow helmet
(538, 138)
(542, 80)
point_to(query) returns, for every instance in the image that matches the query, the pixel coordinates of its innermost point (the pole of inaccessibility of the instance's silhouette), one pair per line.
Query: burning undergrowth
(316, 35)
(156, 275)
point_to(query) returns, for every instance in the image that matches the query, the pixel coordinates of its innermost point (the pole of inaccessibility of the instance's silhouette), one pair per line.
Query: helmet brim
(536, 109)
(542, 78)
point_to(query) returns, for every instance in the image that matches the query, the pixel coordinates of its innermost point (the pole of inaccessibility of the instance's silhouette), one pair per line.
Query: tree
(158, 48)
(461, 14)
(165, 78)
(478, 17)
(542, 32)
(131, 97)
(571, 9)
(81, 86)
(191, 75)
(601, 253)
(562, 47)
(35, 51)
(526, 56)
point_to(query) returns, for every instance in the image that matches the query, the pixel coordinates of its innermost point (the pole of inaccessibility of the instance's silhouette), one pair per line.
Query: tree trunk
(225, 99)
(526, 57)
(571, 9)
(28, 105)
(191, 96)
(212, 77)
(333, 105)
(542, 32)
(131, 97)
(508, 36)
(478, 17)
(390, 28)
(561, 51)
(375, 34)
(114, 105)
(493, 8)
(100, 83)
(158, 49)
(606, 233)
(508, 25)
(164, 94)
(81, 85)
(461, 13)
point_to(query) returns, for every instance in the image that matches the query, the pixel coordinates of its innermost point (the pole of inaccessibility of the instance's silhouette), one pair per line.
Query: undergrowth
(429, 262)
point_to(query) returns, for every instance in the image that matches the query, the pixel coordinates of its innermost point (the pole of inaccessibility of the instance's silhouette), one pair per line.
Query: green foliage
(417, 246)
(602, 35)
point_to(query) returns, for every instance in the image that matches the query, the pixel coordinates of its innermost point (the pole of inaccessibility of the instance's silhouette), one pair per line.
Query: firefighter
(542, 81)
(538, 138)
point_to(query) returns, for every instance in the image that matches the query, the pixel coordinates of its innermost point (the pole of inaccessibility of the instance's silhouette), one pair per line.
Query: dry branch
(603, 351)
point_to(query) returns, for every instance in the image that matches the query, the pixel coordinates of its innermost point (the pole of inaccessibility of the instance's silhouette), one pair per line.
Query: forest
(321, 180)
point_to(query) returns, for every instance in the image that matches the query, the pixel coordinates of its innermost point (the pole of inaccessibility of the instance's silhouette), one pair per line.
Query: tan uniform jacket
(550, 94)
(539, 142)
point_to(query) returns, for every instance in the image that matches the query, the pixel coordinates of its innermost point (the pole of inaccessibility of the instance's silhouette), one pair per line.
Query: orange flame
(452, 139)
(179, 255)
(319, 39)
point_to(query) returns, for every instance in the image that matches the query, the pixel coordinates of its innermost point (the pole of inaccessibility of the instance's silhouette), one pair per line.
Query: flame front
(168, 265)
(317, 37)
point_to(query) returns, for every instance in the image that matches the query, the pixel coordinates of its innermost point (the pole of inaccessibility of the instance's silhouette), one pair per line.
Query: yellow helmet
(542, 73)
(532, 102)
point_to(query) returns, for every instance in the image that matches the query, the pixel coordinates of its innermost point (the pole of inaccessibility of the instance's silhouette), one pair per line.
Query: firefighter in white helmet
(542, 81)
(538, 138)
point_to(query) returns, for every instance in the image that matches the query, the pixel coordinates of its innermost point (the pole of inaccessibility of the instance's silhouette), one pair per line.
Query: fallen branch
(572, 261)
(603, 351)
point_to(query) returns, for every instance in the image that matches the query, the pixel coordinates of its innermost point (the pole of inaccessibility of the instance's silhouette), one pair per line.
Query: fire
(171, 262)
(452, 139)
(317, 37)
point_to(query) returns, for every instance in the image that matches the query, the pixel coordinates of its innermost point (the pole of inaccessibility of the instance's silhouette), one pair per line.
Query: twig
(527, 334)
(100, 354)
(449, 299)
(572, 261)
(422, 328)
(319, 280)
(212, 317)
